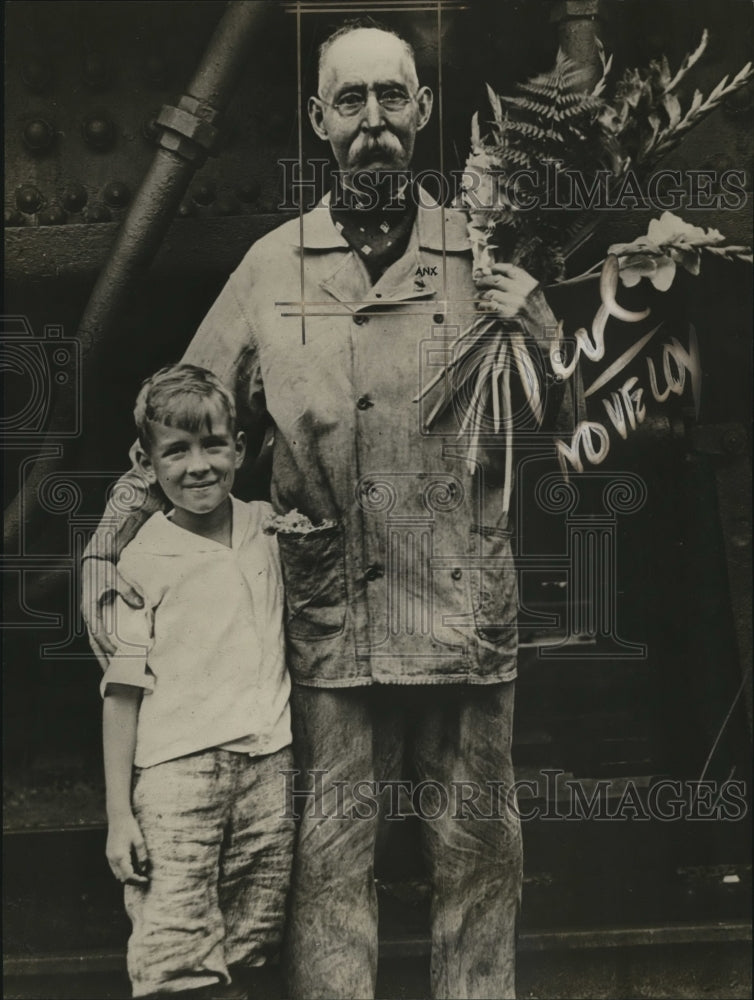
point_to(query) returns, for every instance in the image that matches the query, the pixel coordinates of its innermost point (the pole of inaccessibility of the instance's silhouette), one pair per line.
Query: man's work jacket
(414, 581)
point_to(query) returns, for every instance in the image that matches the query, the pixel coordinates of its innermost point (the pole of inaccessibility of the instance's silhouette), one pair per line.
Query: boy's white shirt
(208, 646)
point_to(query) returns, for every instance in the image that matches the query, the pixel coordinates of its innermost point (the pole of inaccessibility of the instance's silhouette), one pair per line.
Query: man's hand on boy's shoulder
(100, 584)
(126, 851)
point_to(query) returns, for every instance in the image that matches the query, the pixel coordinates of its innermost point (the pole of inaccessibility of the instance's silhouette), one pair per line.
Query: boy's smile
(195, 469)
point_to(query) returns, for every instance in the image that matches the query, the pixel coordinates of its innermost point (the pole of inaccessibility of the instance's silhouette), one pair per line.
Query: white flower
(660, 270)
(669, 242)
(670, 229)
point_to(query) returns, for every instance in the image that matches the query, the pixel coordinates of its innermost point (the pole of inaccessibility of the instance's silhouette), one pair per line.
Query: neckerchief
(375, 218)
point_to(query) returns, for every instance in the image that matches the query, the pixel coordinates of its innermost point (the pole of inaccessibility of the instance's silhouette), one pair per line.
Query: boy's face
(195, 469)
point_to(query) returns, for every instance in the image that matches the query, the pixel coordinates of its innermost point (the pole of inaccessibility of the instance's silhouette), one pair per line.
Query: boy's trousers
(456, 740)
(220, 848)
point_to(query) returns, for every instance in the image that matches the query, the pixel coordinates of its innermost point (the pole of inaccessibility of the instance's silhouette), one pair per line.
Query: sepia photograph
(377, 603)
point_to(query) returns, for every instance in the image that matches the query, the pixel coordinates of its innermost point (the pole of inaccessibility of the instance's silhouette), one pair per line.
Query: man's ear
(240, 449)
(316, 116)
(144, 463)
(424, 100)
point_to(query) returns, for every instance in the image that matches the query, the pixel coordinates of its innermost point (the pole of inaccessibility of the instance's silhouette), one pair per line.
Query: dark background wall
(83, 84)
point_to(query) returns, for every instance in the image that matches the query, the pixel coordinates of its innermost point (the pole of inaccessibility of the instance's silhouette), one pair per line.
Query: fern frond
(607, 64)
(532, 131)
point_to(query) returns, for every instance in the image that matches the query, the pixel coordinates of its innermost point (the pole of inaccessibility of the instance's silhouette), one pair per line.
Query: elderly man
(401, 604)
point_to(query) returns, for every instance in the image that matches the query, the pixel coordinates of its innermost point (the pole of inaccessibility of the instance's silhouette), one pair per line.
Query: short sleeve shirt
(208, 646)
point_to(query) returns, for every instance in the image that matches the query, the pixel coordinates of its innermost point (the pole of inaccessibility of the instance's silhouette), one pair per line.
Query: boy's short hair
(184, 396)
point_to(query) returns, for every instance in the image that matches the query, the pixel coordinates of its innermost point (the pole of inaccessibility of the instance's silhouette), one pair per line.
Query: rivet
(39, 135)
(98, 130)
(203, 192)
(249, 191)
(98, 213)
(225, 205)
(53, 215)
(733, 441)
(96, 71)
(186, 209)
(74, 197)
(36, 73)
(117, 194)
(28, 198)
(12, 217)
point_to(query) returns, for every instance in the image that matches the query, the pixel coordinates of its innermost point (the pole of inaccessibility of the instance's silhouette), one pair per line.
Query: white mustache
(365, 146)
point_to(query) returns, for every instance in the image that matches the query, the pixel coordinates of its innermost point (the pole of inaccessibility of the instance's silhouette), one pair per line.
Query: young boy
(196, 723)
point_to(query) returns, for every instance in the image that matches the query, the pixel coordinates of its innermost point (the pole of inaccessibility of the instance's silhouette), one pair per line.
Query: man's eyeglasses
(353, 102)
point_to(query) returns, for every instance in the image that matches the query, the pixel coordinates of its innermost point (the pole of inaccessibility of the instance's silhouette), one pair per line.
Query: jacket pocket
(494, 589)
(315, 584)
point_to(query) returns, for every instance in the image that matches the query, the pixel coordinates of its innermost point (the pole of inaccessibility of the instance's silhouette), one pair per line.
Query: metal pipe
(190, 134)
(577, 22)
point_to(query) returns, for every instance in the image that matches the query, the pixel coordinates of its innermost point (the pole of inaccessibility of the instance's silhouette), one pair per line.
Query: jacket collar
(439, 229)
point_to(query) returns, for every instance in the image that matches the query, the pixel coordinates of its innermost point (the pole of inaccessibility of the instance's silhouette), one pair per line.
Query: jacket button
(374, 572)
(438, 318)
(360, 319)
(456, 573)
(364, 402)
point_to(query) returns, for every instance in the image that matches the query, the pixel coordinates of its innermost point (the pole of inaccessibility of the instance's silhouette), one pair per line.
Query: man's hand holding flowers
(510, 292)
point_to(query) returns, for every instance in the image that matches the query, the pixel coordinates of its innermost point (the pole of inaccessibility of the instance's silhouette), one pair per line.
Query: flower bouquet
(557, 127)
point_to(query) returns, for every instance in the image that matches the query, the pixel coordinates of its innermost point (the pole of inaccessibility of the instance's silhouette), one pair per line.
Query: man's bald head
(354, 40)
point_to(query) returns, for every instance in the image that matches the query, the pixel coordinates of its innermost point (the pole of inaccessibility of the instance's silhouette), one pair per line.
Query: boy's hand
(126, 851)
(100, 582)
